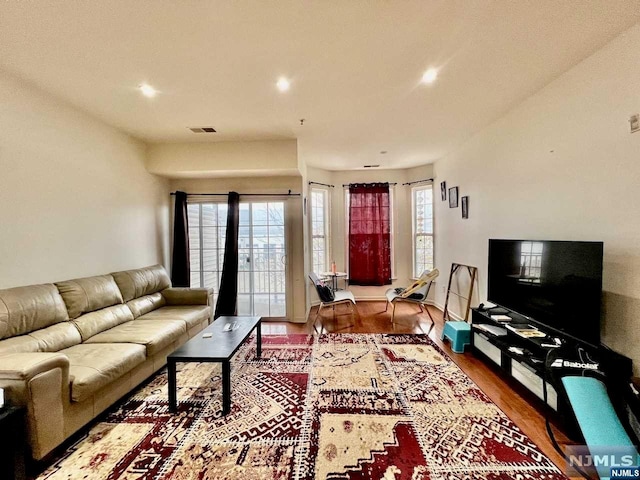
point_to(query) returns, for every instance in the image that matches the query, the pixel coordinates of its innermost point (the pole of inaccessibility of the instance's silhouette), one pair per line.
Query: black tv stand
(497, 311)
(522, 358)
(519, 359)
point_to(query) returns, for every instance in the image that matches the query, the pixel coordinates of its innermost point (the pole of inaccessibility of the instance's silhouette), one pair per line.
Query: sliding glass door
(262, 252)
(262, 260)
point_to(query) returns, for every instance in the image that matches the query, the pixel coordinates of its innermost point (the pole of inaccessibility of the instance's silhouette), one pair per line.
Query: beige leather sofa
(71, 349)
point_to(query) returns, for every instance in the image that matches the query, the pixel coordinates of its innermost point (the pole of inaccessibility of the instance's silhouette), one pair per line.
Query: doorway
(262, 254)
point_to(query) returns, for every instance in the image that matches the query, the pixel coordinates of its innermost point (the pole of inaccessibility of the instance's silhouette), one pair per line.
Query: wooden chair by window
(416, 294)
(329, 298)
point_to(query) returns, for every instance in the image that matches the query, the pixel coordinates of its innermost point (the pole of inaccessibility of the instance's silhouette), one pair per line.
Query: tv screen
(557, 284)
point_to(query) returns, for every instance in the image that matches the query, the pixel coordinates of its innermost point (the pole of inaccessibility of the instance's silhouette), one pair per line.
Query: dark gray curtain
(180, 267)
(228, 294)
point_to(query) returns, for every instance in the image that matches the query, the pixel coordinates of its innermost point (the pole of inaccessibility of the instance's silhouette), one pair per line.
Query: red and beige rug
(350, 406)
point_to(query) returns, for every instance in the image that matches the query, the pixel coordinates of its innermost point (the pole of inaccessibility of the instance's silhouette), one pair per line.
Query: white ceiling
(355, 66)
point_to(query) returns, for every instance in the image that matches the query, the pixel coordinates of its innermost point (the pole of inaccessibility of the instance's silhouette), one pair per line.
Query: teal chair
(600, 426)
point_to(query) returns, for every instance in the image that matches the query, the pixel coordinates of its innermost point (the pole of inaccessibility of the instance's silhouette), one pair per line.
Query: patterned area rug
(348, 406)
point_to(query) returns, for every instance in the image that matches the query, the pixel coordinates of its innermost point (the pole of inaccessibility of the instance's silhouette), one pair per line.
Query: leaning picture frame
(443, 191)
(465, 207)
(453, 197)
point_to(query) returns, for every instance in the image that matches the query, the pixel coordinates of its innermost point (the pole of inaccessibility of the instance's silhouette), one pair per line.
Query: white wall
(224, 159)
(561, 166)
(75, 198)
(401, 213)
(269, 185)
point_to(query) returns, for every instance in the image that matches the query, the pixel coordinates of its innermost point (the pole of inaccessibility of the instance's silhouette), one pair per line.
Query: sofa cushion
(141, 305)
(25, 309)
(142, 281)
(188, 296)
(191, 315)
(19, 344)
(57, 337)
(93, 323)
(50, 339)
(92, 366)
(153, 334)
(89, 294)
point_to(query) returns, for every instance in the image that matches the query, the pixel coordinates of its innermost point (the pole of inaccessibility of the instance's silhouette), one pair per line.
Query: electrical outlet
(634, 122)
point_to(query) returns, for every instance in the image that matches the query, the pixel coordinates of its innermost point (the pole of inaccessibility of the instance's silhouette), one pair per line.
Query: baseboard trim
(453, 315)
(379, 299)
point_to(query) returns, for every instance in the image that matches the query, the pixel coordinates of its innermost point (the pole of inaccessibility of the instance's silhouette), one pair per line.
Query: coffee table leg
(259, 339)
(226, 387)
(171, 370)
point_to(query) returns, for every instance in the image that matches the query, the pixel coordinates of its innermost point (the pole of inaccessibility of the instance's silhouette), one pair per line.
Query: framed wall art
(453, 197)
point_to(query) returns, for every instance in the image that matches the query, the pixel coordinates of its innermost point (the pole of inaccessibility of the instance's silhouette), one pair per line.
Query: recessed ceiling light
(430, 76)
(283, 84)
(147, 90)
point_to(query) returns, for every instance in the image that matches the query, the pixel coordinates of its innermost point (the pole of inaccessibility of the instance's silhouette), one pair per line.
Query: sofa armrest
(25, 366)
(40, 382)
(188, 296)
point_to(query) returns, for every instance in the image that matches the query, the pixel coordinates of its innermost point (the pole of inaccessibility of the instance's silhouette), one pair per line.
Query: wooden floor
(518, 404)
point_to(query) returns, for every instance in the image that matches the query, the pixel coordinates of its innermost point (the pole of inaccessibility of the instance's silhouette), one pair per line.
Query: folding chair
(329, 298)
(416, 294)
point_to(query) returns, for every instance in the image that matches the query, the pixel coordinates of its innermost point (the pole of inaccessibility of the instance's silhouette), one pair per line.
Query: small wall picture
(453, 197)
(443, 191)
(465, 207)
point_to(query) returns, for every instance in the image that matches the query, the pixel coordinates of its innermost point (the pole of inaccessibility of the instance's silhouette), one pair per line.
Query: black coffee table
(220, 347)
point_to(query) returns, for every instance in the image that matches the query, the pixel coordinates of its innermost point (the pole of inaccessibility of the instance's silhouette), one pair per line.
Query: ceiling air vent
(202, 129)
(371, 166)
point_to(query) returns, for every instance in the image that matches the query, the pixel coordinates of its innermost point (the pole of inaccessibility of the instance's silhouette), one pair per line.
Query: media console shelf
(520, 358)
(523, 358)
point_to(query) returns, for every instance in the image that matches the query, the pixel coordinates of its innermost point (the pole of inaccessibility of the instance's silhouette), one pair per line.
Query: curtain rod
(243, 194)
(323, 184)
(349, 184)
(419, 181)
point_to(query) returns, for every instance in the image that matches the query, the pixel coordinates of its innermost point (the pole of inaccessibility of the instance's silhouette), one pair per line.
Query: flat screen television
(556, 284)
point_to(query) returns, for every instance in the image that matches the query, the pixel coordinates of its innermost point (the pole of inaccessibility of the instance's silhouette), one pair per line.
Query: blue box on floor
(459, 333)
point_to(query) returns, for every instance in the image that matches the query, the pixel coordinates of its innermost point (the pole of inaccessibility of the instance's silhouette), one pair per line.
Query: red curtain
(369, 234)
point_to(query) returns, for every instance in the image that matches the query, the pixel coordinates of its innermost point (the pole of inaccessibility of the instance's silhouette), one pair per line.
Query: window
(422, 207)
(319, 229)
(207, 233)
